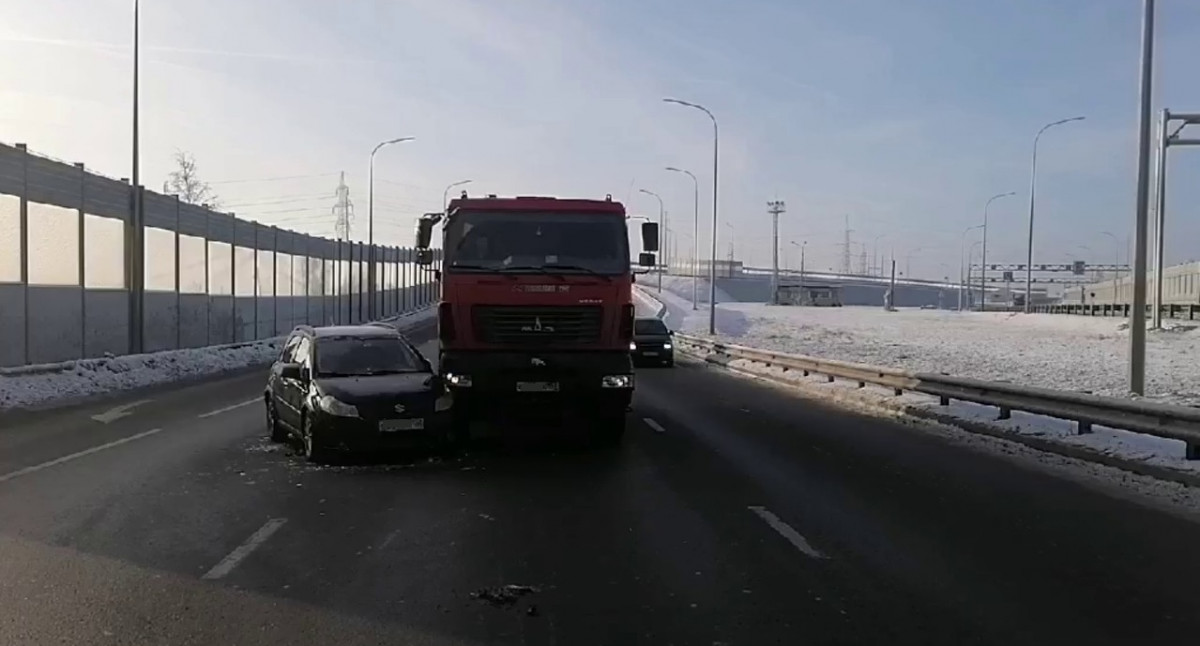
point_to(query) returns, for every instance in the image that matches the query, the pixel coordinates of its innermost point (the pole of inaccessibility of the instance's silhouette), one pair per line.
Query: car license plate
(651, 353)
(393, 425)
(537, 386)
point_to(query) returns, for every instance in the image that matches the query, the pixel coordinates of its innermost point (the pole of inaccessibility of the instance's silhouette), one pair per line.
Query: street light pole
(983, 259)
(371, 224)
(695, 234)
(712, 267)
(1137, 311)
(1032, 191)
(662, 248)
(963, 269)
(446, 193)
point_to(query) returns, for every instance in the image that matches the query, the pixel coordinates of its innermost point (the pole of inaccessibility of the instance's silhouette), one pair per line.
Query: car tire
(277, 431)
(312, 449)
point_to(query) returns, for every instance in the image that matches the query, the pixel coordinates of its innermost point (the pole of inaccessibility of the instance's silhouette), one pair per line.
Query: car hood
(652, 337)
(355, 389)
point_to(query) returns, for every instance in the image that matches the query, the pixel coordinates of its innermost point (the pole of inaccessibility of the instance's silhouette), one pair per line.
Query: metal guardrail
(1160, 420)
(1190, 312)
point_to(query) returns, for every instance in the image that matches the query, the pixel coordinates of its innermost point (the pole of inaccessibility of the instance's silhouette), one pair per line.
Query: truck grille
(524, 325)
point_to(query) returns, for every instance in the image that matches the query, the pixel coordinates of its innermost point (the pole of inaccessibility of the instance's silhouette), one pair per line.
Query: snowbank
(40, 385)
(1053, 351)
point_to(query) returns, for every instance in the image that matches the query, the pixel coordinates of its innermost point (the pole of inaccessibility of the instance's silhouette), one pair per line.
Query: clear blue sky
(905, 115)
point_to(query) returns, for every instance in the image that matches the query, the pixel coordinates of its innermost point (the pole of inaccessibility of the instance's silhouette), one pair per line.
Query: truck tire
(609, 429)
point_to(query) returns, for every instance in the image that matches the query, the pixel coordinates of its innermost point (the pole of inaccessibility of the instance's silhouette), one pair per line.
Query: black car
(652, 342)
(351, 388)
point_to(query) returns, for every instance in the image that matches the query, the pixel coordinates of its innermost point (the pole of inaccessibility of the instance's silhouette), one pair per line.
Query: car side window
(303, 352)
(288, 354)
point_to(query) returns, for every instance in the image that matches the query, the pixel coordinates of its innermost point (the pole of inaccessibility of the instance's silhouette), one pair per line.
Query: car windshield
(361, 356)
(585, 243)
(649, 326)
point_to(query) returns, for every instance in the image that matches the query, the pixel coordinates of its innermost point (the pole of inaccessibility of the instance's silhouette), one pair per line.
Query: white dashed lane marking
(75, 456)
(238, 555)
(785, 530)
(228, 408)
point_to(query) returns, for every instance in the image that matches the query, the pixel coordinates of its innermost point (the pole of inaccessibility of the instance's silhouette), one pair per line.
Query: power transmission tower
(775, 208)
(846, 248)
(343, 210)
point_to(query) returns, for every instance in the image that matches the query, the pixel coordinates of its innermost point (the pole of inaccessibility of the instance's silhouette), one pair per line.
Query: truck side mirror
(424, 233)
(649, 236)
(424, 256)
(646, 259)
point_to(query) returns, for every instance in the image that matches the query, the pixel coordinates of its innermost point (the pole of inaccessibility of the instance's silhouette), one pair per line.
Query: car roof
(369, 330)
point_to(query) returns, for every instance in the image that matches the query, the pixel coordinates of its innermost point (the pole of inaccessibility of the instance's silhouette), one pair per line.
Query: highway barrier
(1139, 416)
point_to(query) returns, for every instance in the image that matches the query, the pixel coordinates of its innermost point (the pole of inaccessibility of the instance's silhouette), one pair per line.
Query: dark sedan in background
(358, 387)
(652, 343)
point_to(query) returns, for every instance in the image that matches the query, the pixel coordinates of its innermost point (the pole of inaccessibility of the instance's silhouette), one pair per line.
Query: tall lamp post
(695, 233)
(963, 273)
(712, 267)
(371, 223)
(1032, 191)
(446, 193)
(662, 251)
(983, 259)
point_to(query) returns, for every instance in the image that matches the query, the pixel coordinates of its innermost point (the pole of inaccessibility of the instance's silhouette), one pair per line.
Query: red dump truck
(536, 309)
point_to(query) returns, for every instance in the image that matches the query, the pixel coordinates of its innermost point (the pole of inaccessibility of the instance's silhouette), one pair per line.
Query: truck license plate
(393, 425)
(537, 386)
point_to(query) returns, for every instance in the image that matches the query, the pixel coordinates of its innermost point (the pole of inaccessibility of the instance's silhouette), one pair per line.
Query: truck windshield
(584, 243)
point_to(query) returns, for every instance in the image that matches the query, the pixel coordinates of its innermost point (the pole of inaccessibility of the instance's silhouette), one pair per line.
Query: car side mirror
(670, 332)
(291, 371)
(424, 256)
(424, 232)
(649, 236)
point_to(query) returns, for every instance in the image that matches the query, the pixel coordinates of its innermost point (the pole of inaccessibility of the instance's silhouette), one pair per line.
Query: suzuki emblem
(400, 408)
(537, 362)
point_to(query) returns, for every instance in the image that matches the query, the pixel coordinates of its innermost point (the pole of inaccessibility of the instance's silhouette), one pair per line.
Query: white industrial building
(1181, 286)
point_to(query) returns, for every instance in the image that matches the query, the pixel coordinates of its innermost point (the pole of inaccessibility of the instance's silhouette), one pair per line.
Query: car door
(274, 385)
(284, 388)
(296, 389)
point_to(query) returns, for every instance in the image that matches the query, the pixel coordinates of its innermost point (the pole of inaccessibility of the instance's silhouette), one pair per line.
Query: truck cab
(536, 308)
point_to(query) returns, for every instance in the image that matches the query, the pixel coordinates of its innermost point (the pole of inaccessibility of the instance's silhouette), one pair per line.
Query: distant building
(810, 295)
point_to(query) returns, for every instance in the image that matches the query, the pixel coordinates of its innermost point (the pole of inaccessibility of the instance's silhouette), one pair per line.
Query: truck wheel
(609, 430)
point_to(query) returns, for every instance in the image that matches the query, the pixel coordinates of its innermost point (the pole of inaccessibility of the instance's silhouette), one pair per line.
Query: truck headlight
(443, 403)
(632, 346)
(616, 381)
(337, 407)
(461, 381)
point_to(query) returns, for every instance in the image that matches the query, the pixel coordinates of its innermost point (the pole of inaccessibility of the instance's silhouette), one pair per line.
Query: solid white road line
(74, 456)
(654, 425)
(228, 408)
(245, 549)
(785, 530)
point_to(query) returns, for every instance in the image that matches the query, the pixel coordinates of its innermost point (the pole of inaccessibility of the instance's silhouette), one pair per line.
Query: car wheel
(277, 431)
(313, 450)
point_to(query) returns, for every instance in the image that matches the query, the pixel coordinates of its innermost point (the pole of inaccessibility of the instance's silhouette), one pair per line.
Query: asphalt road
(736, 513)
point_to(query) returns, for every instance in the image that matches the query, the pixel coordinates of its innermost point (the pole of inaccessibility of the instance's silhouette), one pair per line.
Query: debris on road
(505, 595)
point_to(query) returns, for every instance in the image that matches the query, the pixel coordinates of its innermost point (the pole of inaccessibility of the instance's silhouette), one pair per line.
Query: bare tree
(185, 182)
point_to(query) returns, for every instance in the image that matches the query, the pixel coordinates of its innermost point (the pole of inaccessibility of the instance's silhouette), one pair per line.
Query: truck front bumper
(531, 382)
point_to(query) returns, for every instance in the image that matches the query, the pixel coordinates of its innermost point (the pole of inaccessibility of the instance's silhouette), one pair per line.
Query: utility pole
(1137, 312)
(846, 248)
(343, 210)
(775, 208)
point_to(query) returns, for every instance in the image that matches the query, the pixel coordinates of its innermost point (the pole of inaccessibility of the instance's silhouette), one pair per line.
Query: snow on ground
(1054, 351)
(31, 386)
